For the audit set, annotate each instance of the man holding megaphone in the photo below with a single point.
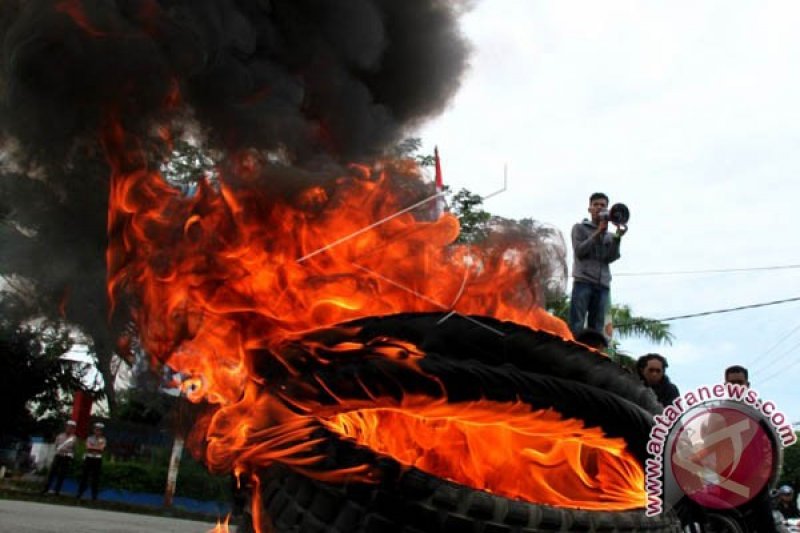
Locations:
(594, 249)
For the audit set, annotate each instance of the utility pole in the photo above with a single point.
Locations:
(172, 472)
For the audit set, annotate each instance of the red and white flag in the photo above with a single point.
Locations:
(440, 205)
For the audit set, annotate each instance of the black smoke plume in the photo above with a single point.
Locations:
(339, 78)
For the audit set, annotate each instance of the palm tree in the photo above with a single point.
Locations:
(626, 324)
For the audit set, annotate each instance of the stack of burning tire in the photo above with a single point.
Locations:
(471, 359)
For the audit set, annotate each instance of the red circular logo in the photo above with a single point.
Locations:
(721, 457)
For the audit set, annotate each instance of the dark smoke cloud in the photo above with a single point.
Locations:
(343, 76)
(52, 234)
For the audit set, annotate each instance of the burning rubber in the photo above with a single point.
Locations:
(410, 488)
(253, 286)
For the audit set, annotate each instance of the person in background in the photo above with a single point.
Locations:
(737, 375)
(594, 248)
(65, 451)
(93, 461)
(785, 502)
(652, 369)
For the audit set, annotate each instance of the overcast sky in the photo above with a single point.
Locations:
(687, 111)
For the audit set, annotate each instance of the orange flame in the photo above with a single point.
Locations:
(229, 279)
(236, 270)
(256, 505)
(222, 526)
(505, 449)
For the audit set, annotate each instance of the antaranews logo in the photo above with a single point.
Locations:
(713, 444)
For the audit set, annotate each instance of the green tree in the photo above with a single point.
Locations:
(464, 204)
(36, 380)
(188, 163)
(409, 148)
(473, 218)
(790, 474)
(626, 324)
(144, 406)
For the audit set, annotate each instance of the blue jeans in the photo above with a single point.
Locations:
(591, 299)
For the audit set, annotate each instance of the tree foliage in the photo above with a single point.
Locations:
(790, 474)
(187, 163)
(409, 148)
(36, 380)
(464, 204)
(626, 324)
(143, 407)
(474, 220)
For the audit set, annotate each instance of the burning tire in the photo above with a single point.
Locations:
(418, 502)
(471, 359)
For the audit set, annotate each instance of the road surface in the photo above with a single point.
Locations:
(29, 517)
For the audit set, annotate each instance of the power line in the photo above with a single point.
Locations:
(780, 371)
(733, 309)
(763, 355)
(762, 367)
(777, 343)
(742, 308)
(706, 313)
(730, 309)
(708, 271)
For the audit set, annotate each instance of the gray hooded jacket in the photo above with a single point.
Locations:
(592, 256)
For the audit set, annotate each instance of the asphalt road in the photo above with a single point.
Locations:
(28, 517)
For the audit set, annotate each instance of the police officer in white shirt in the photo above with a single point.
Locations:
(65, 450)
(93, 461)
